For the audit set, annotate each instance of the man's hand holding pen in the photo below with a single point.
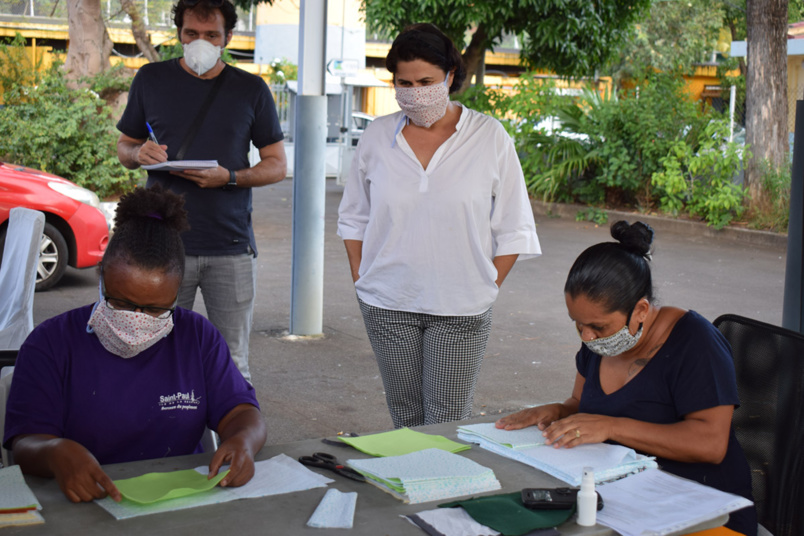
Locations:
(151, 153)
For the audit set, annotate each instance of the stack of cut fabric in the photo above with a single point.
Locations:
(427, 475)
(515, 439)
(18, 504)
(610, 462)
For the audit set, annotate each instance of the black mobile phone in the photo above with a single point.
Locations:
(552, 498)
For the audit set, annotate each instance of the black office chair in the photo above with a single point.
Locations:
(769, 423)
(8, 358)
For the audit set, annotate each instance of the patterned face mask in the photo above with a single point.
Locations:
(127, 333)
(424, 105)
(616, 344)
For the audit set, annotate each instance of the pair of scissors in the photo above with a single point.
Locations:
(328, 461)
(339, 443)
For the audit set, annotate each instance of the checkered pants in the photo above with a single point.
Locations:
(429, 364)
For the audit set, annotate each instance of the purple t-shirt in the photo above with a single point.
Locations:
(152, 405)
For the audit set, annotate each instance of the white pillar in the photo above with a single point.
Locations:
(309, 173)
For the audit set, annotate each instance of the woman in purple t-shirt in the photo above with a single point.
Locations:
(657, 379)
(131, 377)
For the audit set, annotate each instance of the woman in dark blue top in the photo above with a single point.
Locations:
(657, 379)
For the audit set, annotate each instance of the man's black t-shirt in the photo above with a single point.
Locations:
(169, 98)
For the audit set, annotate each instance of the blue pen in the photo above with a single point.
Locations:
(151, 133)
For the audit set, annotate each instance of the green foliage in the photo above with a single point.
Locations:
(700, 178)
(559, 158)
(604, 148)
(795, 11)
(635, 132)
(569, 37)
(649, 144)
(111, 81)
(68, 132)
(17, 67)
(283, 70)
(775, 215)
(672, 36)
(595, 215)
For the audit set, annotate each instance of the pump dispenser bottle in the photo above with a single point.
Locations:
(587, 499)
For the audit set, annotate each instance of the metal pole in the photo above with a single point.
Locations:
(793, 311)
(309, 174)
(732, 101)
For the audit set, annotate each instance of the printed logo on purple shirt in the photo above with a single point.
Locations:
(179, 401)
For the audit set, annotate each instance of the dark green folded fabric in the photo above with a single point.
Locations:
(506, 514)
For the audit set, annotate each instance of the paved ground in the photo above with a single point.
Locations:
(318, 387)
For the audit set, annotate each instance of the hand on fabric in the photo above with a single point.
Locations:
(206, 178)
(243, 433)
(579, 429)
(78, 473)
(540, 416)
(151, 153)
(236, 453)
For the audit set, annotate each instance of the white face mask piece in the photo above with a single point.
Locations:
(127, 333)
(616, 344)
(424, 105)
(201, 55)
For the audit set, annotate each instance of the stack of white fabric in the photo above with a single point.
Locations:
(427, 475)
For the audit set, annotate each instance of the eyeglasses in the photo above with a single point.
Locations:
(119, 304)
(211, 3)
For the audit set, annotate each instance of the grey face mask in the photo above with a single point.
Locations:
(616, 344)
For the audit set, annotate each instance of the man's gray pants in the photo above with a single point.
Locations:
(228, 285)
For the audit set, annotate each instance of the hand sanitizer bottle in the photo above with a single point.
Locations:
(587, 499)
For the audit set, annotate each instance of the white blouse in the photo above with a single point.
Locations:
(430, 235)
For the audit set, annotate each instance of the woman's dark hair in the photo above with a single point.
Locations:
(615, 274)
(205, 9)
(426, 42)
(147, 231)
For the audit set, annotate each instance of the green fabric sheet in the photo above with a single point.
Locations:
(402, 441)
(153, 487)
(506, 514)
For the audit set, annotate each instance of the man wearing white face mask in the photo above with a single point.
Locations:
(199, 108)
(434, 215)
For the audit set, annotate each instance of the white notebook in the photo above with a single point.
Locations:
(178, 165)
(608, 461)
(658, 503)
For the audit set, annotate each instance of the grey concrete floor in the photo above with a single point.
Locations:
(321, 386)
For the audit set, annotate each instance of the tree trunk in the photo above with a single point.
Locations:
(473, 54)
(480, 73)
(90, 46)
(766, 92)
(139, 31)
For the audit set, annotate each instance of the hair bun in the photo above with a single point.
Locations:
(637, 238)
(152, 204)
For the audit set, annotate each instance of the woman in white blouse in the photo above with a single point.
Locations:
(434, 215)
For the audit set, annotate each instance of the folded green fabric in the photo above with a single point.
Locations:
(402, 441)
(506, 514)
(153, 487)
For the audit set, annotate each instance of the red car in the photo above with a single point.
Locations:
(76, 231)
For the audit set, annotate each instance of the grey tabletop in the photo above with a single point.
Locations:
(377, 513)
